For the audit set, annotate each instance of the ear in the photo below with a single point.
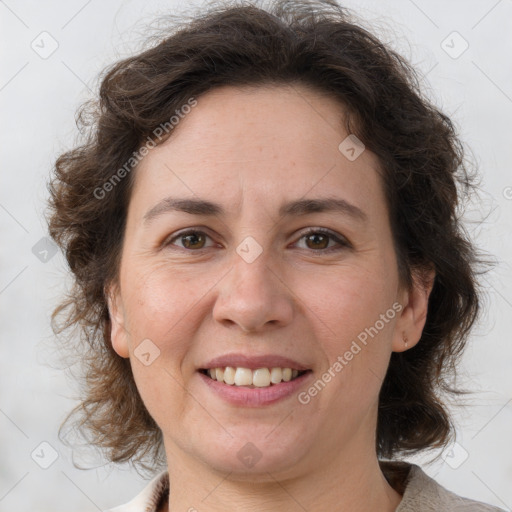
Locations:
(118, 333)
(409, 326)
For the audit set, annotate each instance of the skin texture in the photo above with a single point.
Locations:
(252, 149)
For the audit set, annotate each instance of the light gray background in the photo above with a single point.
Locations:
(38, 99)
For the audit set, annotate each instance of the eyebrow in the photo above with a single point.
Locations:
(294, 208)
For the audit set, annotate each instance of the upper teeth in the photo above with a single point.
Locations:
(262, 377)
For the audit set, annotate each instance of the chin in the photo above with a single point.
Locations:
(249, 455)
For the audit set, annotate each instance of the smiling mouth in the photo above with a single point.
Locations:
(258, 378)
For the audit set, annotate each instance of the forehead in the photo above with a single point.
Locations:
(268, 143)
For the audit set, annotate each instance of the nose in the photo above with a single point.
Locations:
(254, 296)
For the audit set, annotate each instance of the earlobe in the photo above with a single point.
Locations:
(409, 326)
(118, 334)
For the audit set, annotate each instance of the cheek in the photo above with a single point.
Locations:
(160, 310)
(349, 299)
(158, 303)
(353, 312)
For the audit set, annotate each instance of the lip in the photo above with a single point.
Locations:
(253, 362)
(255, 397)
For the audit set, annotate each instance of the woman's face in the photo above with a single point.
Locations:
(252, 289)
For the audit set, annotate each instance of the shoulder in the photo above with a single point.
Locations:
(149, 499)
(423, 494)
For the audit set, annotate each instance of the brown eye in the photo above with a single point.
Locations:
(193, 240)
(319, 240)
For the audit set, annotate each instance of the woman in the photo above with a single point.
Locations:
(270, 272)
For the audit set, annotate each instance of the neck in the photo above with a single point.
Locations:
(354, 484)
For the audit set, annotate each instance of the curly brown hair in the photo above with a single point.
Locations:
(424, 171)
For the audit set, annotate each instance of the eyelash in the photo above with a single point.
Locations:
(343, 243)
